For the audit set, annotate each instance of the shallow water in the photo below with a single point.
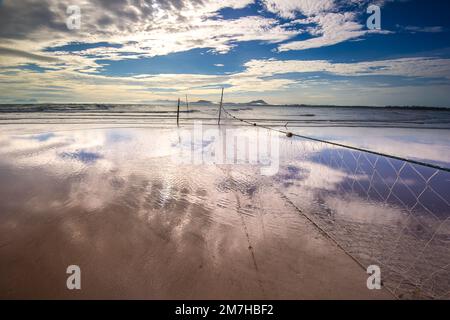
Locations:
(142, 225)
(415, 134)
(125, 202)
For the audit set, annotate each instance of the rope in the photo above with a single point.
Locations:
(421, 163)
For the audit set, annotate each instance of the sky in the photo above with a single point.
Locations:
(281, 51)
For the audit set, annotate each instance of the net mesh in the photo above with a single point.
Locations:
(402, 223)
(412, 245)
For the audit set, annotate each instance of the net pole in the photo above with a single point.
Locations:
(220, 107)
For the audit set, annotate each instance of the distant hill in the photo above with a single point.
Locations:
(258, 102)
(253, 103)
(203, 102)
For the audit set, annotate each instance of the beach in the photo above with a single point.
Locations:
(149, 211)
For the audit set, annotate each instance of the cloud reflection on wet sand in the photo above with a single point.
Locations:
(143, 226)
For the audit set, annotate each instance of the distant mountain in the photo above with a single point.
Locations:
(253, 103)
(203, 102)
(258, 102)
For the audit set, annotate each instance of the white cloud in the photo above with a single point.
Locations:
(332, 28)
(415, 29)
(288, 8)
(406, 67)
(333, 21)
(161, 27)
(148, 29)
(140, 28)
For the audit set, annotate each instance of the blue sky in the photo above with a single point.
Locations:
(282, 51)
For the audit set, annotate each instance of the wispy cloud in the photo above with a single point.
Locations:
(330, 29)
(406, 67)
(329, 21)
(259, 76)
(290, 8)
(8, 52)
(415, 29)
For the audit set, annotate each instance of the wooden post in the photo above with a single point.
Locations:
(187, 104)
(178, 113)
(220, 107)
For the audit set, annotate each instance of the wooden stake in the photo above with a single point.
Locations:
(187, 104)
(220, 107)
(178, 113)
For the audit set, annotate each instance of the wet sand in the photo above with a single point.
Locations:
(141, 226)
(250, 245)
